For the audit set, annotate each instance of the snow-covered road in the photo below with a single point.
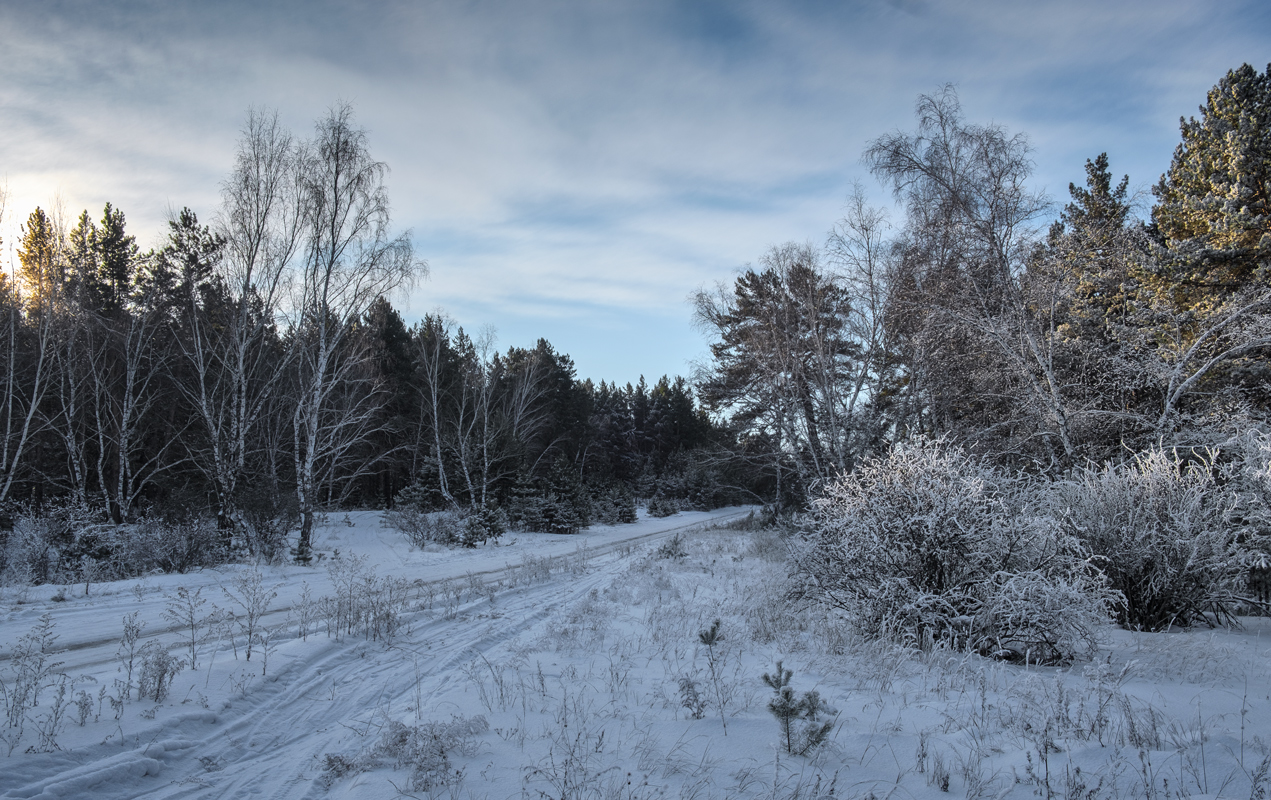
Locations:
(576, 667)
(226, 730)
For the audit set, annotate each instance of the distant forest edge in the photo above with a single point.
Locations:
(224, 389)
(250, 372)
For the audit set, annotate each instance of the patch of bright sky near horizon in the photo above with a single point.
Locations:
(574, 171)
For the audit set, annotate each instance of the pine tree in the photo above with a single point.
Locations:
(1218, 188)
(181, 271)
(526, 503)
(118, 256)
(84, 262)
(1215, 201)
(567, 508)
(41, 255)
(789, 709)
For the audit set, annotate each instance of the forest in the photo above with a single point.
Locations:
(249, 373)
(207, 400)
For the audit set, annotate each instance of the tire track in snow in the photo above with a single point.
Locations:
(277, 613)
(274, 748)
(269, 742)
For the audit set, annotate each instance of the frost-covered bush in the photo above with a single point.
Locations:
(27, 555)
(181, 545)
(30, 669)
(460, 526)
(414, 516)
(928, 545)
(264, 521)
(421, 528)
(1160, 529)
(1247, 477)
(158, 668)
(424, 749)
(50, 546)
(70, 543)
(364, 602)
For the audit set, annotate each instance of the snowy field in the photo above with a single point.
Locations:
(551, 666)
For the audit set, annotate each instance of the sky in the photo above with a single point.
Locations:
(575, 171)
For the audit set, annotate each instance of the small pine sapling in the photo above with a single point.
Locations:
(691, 697)
(672, 548)
(789, 709)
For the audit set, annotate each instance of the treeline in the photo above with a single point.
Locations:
(252, 372)
(1040, 344)
(519, 431)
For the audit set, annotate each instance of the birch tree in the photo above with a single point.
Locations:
(126, 358)
(971, 227)
(350, 257)
(231, 352)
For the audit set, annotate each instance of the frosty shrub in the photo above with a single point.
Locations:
(158, 668)
(29, 671)
(413, 516)
(183, 611)
(249, 593)
(52, 546)
(423, 528)
(264, 520)
(169, 545)
(928, 545)
(27, 555)
(69, 542)
(364, 602)
(1248, 478)
(459, 526)
(425, 749)
(1160, 530)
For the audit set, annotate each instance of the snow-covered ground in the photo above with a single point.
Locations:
(573, 667)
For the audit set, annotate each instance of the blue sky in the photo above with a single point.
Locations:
(575, 170)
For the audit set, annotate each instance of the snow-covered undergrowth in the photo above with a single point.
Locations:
(593, 666)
